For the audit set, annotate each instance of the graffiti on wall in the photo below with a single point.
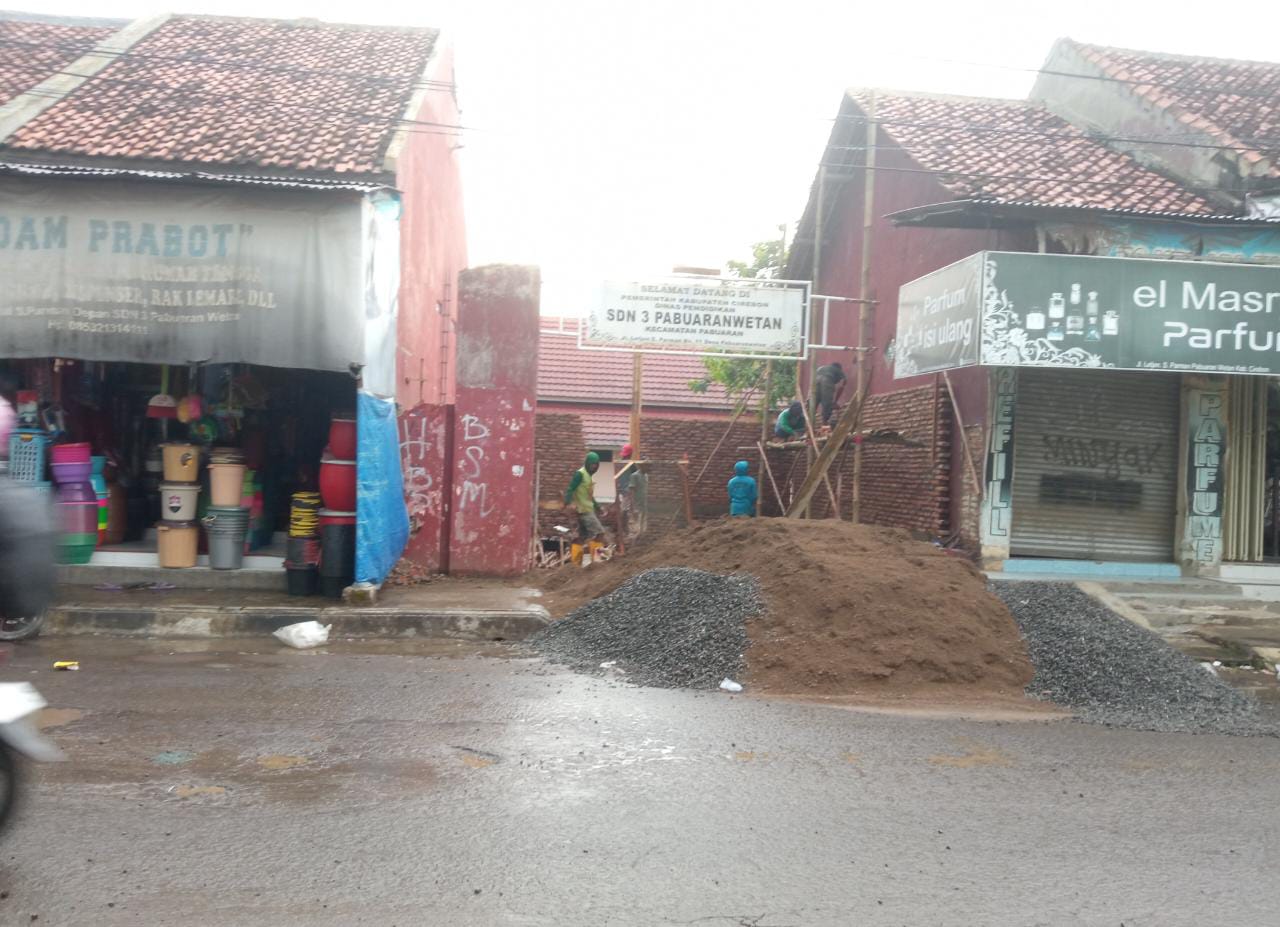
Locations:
(1113, 457)
(1204, 476)
(1000, 457)
(474, 491)
(422, 452)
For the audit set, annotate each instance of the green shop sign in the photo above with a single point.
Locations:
(1053, 310)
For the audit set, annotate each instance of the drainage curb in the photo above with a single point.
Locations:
(197, 621)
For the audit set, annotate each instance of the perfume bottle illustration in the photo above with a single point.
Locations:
(1111, 323)
(1035, 319)
(1055, 331)
(1057, 306)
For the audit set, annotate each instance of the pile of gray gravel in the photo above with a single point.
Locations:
(671, 627)
(1110, 671)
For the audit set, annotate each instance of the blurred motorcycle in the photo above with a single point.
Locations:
(27, 550)
(19, 736)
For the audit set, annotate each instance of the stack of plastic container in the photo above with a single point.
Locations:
(226, 520)
(98, 478)
(28, 454)
(302, 556)
(338, 517)
(178, 532)
(77, 503)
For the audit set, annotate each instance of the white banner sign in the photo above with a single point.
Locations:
(701, 315)
(164, 274)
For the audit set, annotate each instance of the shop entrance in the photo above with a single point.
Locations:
(1095, 465)
(273, 423)
(1251, 506)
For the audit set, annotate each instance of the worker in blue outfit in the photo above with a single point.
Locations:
(742, 492)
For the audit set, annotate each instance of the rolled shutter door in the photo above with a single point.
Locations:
(1095, 465)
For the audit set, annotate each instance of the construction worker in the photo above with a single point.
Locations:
(790, 422)
(828, 384)
(742, 492)
(580, 496)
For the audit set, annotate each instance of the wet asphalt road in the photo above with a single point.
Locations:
(251, 785)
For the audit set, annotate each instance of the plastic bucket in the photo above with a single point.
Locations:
(72, 453)
(226, 528)
(342, 437)
(303, 517)
(78, 517)
(302, 551)
(178, 501)
(226, 482)
(302, 580)
(72, 472)
(177, 544)
(337, 557)
(330, 517)
(181, 463)
(331, 588)
(76, 548)
(338, 484)
(75, 492)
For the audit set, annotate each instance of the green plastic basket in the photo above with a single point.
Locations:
(76, 548)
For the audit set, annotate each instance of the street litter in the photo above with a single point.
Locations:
(69, 665)
(730, 686)
(304, 634)
(608, 663)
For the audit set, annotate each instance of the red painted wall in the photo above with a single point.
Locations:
(493, 434)
(433, 247)
(426, 435)
(899, 255)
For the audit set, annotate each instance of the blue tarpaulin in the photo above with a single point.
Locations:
(382, 521)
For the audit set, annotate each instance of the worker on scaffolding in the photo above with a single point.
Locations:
(580, 496)
(790, 422)
(828, 385)
(742, 492)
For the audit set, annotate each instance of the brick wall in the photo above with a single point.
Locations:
(558, 449)
(905, 487)
(966, 501)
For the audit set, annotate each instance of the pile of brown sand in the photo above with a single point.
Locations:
(852, 609)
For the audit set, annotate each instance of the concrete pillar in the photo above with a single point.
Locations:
(997, 498)
(1202, 447)
(493, 456)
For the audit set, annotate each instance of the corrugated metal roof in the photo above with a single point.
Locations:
(74, 170)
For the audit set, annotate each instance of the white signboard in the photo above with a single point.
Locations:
(167, 274)
(701, 315)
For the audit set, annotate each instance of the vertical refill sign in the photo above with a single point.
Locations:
(938, 319)
(1054, 310)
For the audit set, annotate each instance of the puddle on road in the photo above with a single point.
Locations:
(281, 761)
(57, 717)
(975, 755)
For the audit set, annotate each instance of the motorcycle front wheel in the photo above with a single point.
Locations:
(8, 782)
(18, 629)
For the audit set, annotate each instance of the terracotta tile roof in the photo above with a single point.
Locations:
(31, 52)
(568, 373)
(1238, 102)
(1015, 152)
(295, 95)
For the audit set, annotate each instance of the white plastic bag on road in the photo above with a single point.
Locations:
(304, 634)
(730, 686)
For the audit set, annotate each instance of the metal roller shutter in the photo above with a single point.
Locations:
(1095, 465)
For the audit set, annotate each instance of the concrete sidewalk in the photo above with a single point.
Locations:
(470, 609)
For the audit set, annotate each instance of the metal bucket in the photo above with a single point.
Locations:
(226, 528)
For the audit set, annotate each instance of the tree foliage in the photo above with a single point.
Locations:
(739, 374)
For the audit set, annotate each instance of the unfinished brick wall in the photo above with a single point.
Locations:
(559, 449)
(966, 507)
(904, 487)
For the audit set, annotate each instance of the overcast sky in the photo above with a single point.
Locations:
(617, 138)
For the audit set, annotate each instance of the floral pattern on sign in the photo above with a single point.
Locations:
(1006, 343)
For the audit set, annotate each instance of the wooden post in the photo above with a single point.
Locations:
(637, 377)
(688, 495)
(964, 439)
(782, 506)
(812, 452)
(848, 422)
(864, 288)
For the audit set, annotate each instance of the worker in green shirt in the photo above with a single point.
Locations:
(790, 422)
(580, 496)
